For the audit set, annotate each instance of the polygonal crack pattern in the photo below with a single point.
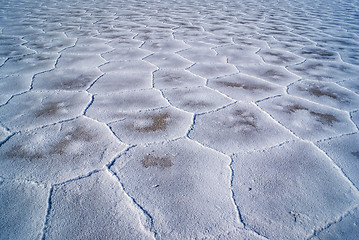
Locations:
(242, 127)
(173, 180)
(280, 201)
(59, 152)
(100, 198)
(178, 119)
(35, 109)
(307, 120)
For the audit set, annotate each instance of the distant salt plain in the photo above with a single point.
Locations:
(179, 119)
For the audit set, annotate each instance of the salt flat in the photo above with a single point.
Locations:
(179, 119)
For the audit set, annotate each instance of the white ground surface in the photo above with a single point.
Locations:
(179, 119)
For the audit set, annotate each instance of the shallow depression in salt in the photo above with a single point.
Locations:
(179, 119)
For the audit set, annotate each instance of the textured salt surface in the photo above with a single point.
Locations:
(179, 119)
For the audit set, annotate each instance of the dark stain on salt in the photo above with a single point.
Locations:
(321, 92)
(153, 161)
(318, 52)
(197, 104)
(171, 78)
(280, 57)
(49, 109)
(245, 86)
(18, 151)
(293, 108)
(43, 58)
(324, 118)
(77, 134)
(356, 154)
(273, 74)
(75, 83)
(159, 123)
(245, 118)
